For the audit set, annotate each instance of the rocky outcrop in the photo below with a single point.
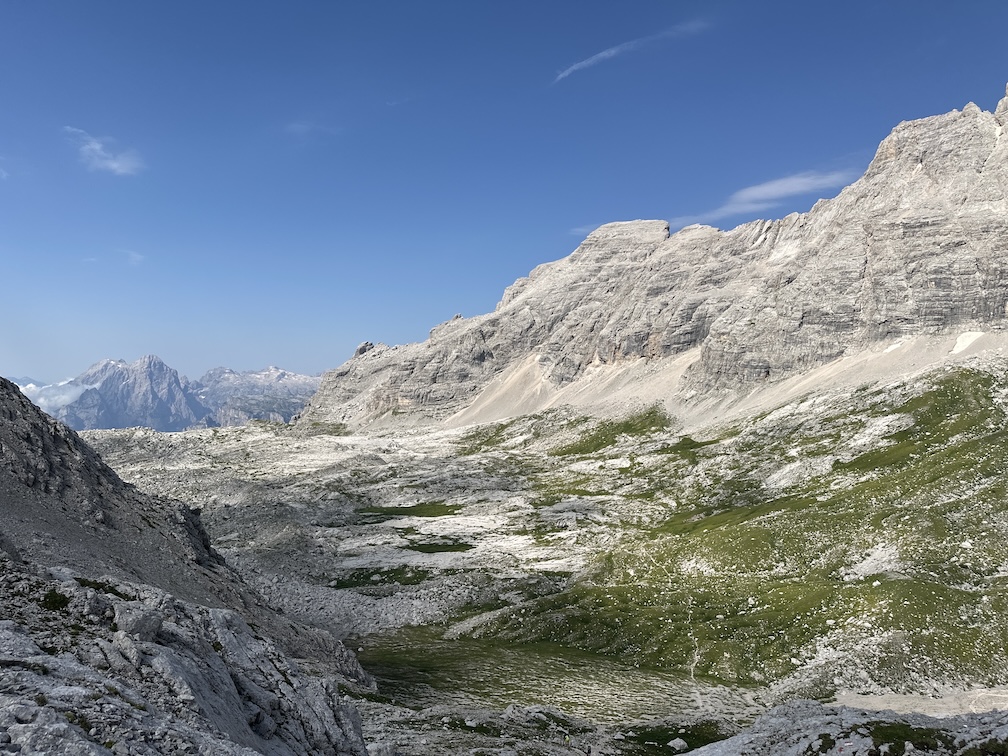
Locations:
(123, 631)
(99, 667)
(803, 727)
(62, 505)
(916, 246)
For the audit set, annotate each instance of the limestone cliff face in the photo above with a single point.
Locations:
(120, 395)
(918, 245)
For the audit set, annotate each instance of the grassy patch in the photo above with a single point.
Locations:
(402, 575)
(607, 432)
(725, 568)
(897, 734)
(654, 738)
(103, 587)
(320, 428)
(53, 600)
(439, 548)
(426, 509)
(686, 448)
(483, 438)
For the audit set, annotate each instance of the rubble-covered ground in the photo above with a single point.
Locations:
(99, 666)
(847, 542)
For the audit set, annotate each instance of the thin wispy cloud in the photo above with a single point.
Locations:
(583, 230)
(679, 30)
(769, 194)
(134, 258)
(303, 129)
(98, 154)
(4, 175)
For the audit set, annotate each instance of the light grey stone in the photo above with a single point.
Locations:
(915, 246)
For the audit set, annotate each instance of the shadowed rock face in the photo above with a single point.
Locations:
(918, 245)
(120, 624)
(62, 505)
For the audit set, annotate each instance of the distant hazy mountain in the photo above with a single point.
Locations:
(117, 394)
(146, 392)
(25, 381)
(271, 394)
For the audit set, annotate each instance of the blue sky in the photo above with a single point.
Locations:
(253, 183)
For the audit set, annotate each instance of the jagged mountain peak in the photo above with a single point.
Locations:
(916, 246)
(113, 393)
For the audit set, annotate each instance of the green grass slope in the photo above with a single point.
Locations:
(856, 540)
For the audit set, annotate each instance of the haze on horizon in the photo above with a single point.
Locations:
(246, 185)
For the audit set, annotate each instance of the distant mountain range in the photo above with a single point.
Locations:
(117, 394)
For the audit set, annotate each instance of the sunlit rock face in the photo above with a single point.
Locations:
(916, 246)
(117, 394)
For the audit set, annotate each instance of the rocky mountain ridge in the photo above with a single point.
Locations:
(915, 246)
(122, 631)
(149, 393)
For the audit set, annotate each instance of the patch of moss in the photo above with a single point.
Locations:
(103, 587)
(606, 433)
(53, 600)
(439, 548)
(425, 509)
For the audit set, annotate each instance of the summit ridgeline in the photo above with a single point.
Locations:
(917, 247)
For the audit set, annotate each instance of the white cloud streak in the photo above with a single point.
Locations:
(303, 129)
(97, 154)
(134, 258)
(769, 194)
(679, 30)
(51, 398)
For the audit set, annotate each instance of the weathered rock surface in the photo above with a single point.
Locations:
(96, 667)
(121, 629)
(805, 727)
(918, 245)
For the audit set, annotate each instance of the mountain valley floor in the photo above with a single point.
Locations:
(646, 572)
